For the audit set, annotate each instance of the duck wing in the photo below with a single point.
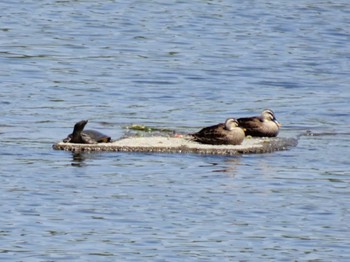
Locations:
(250, 123)
(255, 126)
(216, 134)
(210, 130)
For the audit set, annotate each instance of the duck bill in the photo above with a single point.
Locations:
(277, 123)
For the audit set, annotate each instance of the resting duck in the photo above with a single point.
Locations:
(265, 125)
(227, 133)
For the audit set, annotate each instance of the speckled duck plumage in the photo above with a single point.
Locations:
(227, 133)
(265, 125)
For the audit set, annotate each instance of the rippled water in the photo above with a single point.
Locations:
(181, 65)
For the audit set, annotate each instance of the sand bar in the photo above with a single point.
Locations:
(163, 144)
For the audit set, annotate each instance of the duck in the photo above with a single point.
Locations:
(228, 133)
(265, 125)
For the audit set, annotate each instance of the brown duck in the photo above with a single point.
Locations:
(265, 125)
(227, 133)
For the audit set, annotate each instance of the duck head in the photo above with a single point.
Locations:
(231, 123)
(268, 115)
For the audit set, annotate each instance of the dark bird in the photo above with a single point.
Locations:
(265, 125)
(227, 133)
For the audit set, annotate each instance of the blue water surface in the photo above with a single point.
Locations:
(181, 65)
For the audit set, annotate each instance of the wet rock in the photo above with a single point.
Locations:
(160, 144)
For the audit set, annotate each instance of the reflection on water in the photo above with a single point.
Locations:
(78, 159)
(231, 164)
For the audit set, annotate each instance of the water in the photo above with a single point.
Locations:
(181, 65)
